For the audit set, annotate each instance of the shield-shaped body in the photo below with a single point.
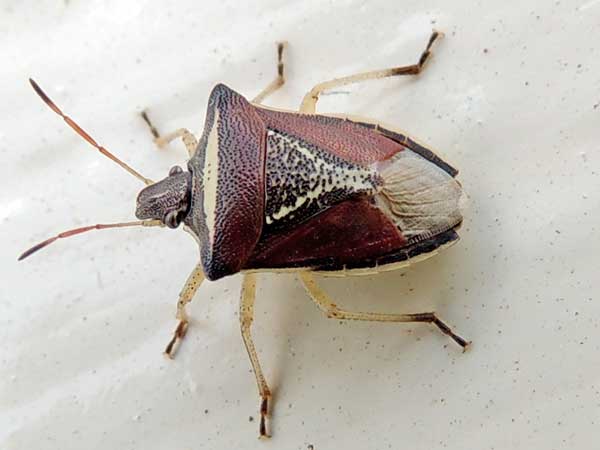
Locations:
(278, 190)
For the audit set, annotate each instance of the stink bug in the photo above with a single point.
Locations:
(268, 190)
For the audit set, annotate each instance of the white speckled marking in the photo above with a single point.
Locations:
(301, 175)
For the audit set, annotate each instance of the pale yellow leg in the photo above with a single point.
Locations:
(309, 102)
(189, 140)
(246, 317)
(332, 311)
(279, 79)
(185, 296)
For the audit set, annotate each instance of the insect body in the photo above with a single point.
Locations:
(269, 190)
(277, 190)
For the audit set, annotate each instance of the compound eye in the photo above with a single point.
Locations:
(175, 170)
(172, 219)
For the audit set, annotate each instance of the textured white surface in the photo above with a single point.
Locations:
(511, 98)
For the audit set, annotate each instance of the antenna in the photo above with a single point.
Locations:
(99, 226)
(80, 131)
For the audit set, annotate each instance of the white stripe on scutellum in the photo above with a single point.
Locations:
(210, 178)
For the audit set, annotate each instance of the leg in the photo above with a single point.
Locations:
(332, 311)
(186, 136)
(185, 296)
(309, 102)
(246, 318)
(279, 79)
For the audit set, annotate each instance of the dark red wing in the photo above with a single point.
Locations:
(351, 141)
(406, 141)
(349, 234)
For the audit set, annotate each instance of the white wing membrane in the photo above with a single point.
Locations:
(421, 198)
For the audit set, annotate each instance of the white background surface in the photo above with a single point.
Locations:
(83, 323)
